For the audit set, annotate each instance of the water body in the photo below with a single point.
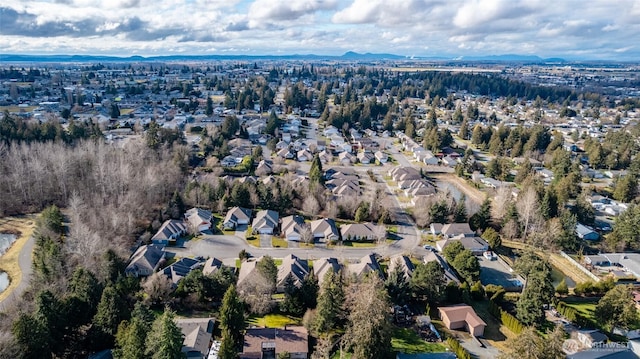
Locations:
(4, 281)
(444, 186)
(6, 240)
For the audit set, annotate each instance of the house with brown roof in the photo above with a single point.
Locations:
(452, 229)
(211, 266)
(462, 317)
(403, 263)
(266, 222)
(263, 343)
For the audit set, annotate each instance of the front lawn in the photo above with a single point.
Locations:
(359, 244)
(254, 241)
(278, 242)
(273, 321)
(407, 341)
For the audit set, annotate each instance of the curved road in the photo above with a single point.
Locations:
(24, 261)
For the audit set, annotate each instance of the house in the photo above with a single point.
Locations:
(449, 161)
(362, 232)
(609, 353)
(403, 263)
(322, 266)
(365, 157)
(454, 230)
(404, 174)
(212, 265)
(145, 260)
(462, 317)
(292, 268)
(170, 230)
(198, 219)
(266, 222)
(449, 274)
(381, 157)
(368, 264)
(292, 227)
(265, 167)
(228, 161)
(197, 336)
(180, 269)
(325, 156)
(475, 245)
(286, 154)
(346, 158)
(591, 338)
(247, 270)
(586, 233)
(236, 216)
(264, 343)
(325, 230)
(304, 155)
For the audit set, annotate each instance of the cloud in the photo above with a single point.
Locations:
(278, 10)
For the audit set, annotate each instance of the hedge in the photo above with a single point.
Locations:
(455, 346)
(574, 316)
(505, 318)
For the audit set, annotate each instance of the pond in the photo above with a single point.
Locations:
(6, 240)
(4, 281)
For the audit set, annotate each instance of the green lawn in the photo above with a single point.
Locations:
(279, 242)
(408, 341)
(586, 309)
(359, 244)
(273, 321)
(337, 355)
(254, 241)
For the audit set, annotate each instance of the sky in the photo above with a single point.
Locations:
(572, 29)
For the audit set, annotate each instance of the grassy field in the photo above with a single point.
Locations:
(278, 242)
(359, 244)
(273, 321)
(586, 309)
(9, 261)
(408, 341)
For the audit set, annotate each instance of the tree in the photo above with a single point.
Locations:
(329, 310)
(267, 267)
(528, 208)
(492, 237)
(165, 338)
(616, 308)
(232, 316)
(626, 230)
(85, 286)
(562, 288)
(316, 174)
(209, 108)
(397, 286)
(132, 335)
(115, 111)
(112, 309)
(482, 218)
(626, 188)
(452, 250)
(537, 293)
(32, 336)
(460, 211)
(529, 345)
(368, 333)
(427, 282)
(467, 265)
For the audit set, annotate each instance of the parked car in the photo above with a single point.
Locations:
(429, 248)
(490, 255)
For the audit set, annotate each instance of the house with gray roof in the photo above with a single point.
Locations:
(180, 269)
(292, 227)
(403, 263)
(476, 245)
(586, 233)
(367, 264)
(361, 232)
(266, 222)
(170, 230)
(323, 265)
(198, 219)
(197, 334)
(325, 230)
(236, 216)
(145, 260)
(211, 266)
(293, 268)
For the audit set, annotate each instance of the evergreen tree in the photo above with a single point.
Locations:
(165, 338)
(316, 174)
(397, 286)
(549, 204)
(232, 316)
(329, 310)
(460, 211)
(369, 333)
(209, 109)
(132, 335)
(267, 267)
(537, 293)
(112, 309)
(32, 336)
(427, 282)
(482, 218)
(464, 130)
(616, 308)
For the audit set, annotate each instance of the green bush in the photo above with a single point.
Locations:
(494, 292)
(477, 291)
(505, 318)
(455, 346)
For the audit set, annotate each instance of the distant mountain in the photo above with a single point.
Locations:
(509, 58)
(348, 56)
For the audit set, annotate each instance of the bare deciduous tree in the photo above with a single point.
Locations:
(311, 206)
(255, 290)
(158, 289)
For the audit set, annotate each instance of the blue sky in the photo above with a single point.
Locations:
(574, 29)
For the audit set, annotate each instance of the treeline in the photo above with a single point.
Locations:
(19, 130)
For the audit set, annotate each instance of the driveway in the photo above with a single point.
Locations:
(265, 241)
(475, 349)
(24, 262)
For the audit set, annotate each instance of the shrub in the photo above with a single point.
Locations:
(455, 346)
(494, 292)
(562, 288)
(477, 291)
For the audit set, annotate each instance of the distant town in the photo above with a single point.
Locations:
(352, 207)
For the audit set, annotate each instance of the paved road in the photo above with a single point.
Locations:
(24, 261)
